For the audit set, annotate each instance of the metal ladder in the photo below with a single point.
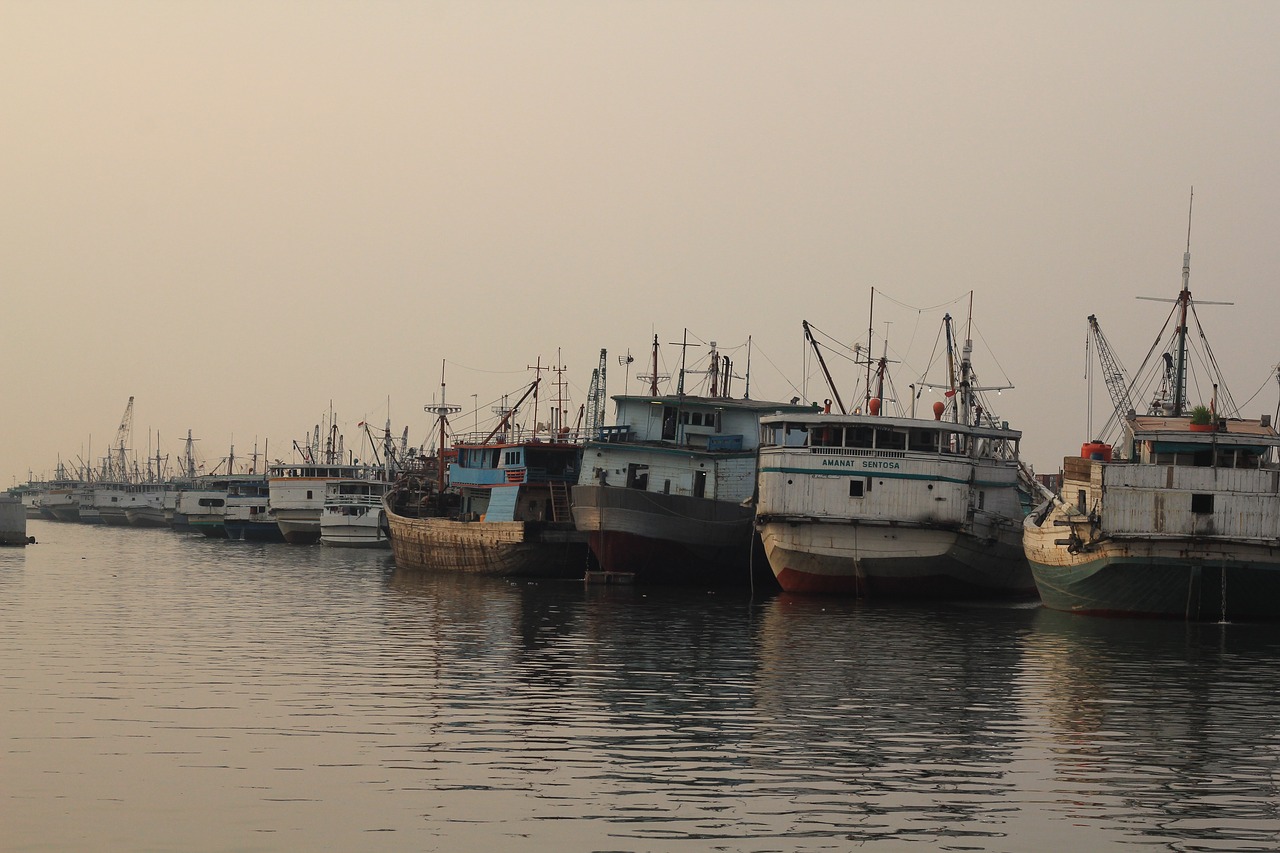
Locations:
(560, 502)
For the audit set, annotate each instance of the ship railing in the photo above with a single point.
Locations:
(854, 451)
(354, 500)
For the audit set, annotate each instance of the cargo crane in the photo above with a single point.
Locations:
(1113, 375)
(119, 464)
(595, 399)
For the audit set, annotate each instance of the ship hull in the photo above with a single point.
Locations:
(354, 535)
(299, 531)
(895, 561)
(61, 512)
(500, 548)
(146, 516)
(1166, 579)
(668, 538)
(253, 531)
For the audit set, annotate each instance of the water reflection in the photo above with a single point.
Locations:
(192, 694)
(1163, 731)
(905, 712)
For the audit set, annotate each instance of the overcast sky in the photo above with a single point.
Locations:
(240, 212)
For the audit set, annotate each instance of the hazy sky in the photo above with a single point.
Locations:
(240, 211)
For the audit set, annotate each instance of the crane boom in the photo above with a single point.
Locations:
(122, 435)
(596, 398)
(1112, 371)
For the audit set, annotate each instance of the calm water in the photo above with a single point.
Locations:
(161, 692)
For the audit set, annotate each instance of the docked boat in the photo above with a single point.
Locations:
(202, 507)
(875, 505)
(145, 504)
(1178, 518)
(297, 494)
(86, 510)
(353, 516)
(297, 489)
(110, 499)
(248, 517)
(58, 501)
(665, 493)
(500, 508)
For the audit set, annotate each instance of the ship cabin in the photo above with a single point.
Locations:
(1231, 443)
(887, 436)
(1180, 479)
(713, 424)
(513, 482)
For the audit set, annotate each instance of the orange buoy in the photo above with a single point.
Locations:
(938, 408)
(873, 405)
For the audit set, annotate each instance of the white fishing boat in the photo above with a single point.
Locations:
(58, 501)
(353, 515)
(86, 511)
(1180, 516)
(297, 494)
(202, 508)
(145, 503)
(871, 504)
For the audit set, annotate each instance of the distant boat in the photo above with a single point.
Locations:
(58, 501)
(297, 493)
(202, 508)
(248, 517)
(870, 504)
(353, 516)
(145, 503)
(1180, 518)
(297, 489)
(502, 509)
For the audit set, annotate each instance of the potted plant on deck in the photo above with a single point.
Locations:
(1201, 419)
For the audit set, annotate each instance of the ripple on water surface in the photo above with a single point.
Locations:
(167, 692)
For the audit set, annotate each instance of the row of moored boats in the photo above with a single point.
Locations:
(1178, 516)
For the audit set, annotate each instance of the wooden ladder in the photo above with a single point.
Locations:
(560, 502)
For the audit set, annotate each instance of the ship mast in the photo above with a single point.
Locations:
(1179, 386)
(442, 412)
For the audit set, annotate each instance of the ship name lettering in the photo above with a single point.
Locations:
(860, 463)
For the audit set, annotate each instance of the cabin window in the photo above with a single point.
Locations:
(211, 502)
(637, 476)
(923, 440)
(982, 500)
(796, 435)
(699, 484)
(1202, 504)
(1082, 499)
(891, 439)
(824, 436)
(856, 488)
(668, 423)
(859, 436)
(666, 487)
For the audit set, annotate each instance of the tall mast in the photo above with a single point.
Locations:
(653, 377)
(537, 369)
(1184, 298)
(870, 319)
(442, 411)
